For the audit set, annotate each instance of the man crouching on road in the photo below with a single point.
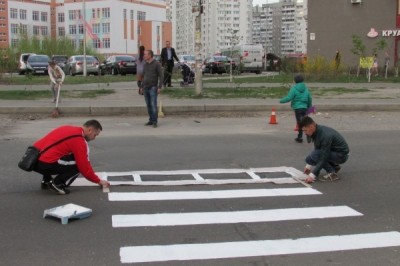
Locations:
(68, 157)
(330, 150)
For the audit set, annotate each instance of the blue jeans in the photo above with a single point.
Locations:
(150, 96)
(334, 158)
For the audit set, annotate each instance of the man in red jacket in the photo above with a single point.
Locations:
(69, 158)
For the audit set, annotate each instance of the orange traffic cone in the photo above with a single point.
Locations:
(296, 128)
(272, 118)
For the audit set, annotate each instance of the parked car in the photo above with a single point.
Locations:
(218, 64)
(60, 60)
(37, 64)
(74, 65)
(22, 62)
(186, 59)
(119, 64)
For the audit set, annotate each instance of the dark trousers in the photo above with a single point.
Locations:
(66, 171)
(299, 113)
(168, 67)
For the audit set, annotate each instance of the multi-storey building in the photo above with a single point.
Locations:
(281, 27)
(109, 26)
(331, 25)
(224, 22)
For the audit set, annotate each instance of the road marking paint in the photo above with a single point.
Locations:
(137, 254)
(213, 194)
(194, 218)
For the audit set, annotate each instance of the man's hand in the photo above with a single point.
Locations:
(309, 179)
(306, 171)
(104, 183)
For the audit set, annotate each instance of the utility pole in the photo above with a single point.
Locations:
(198, 10)
(84, 39)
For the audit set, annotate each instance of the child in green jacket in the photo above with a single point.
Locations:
(301, 100)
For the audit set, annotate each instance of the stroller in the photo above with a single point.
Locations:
(187, 75)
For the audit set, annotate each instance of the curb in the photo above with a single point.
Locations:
(176, 110)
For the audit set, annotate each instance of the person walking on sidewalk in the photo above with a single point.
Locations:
(301, 100)
(167, 60)
(330, 150)
(68, 158)
(57, 77)
(152, 83)
(139, 69)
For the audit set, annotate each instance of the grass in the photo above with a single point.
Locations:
(43, 79)
(259, 93)
(40, 94)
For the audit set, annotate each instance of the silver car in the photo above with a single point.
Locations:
(74, 65)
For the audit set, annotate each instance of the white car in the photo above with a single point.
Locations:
(187, 59)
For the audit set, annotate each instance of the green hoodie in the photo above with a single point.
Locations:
(299, 96)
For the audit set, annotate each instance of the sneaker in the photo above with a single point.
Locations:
(155, 125)
(44, 185)
(148, 123)
(337, 168)
(298, 140)
(329, 177)
(60, 189)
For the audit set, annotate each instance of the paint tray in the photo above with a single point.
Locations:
(68, 211)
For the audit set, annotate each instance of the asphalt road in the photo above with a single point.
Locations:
(369, 185)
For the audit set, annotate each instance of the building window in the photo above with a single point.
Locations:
(96, 43)
(98, 12)
(22, 14)
(81, 42)
(106, 42)
(96, 28)
(14, 28)
(14, 13)
(73, 43)
(106, 27)
(93, 13)
(141, 15)
(138, 30)
(35, 15)
(124, 14)
(71, 15)
(80, 29)
(44, 16)
(72, 29)
(61, 31)
(44, 30)
(158, 30)
(106, 12)
(23, 28)
(131, 14)
(36, 30)
(14, 42)
(61, 17)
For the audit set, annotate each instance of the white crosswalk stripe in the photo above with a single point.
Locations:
(235, 249)
(258, 248)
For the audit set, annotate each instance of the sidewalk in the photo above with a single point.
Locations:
(126, 100)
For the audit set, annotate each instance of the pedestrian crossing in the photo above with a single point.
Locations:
(235, 249)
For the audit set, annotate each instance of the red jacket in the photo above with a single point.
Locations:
(76, 146)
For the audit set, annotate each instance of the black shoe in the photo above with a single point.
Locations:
(44, 185)
(148, 123)
(155, 125)
(298, 140)
(45, 182)
(60, 189)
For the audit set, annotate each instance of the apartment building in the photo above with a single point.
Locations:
(331, 25)
(109, 26)
(224, 23)
(281, 27)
